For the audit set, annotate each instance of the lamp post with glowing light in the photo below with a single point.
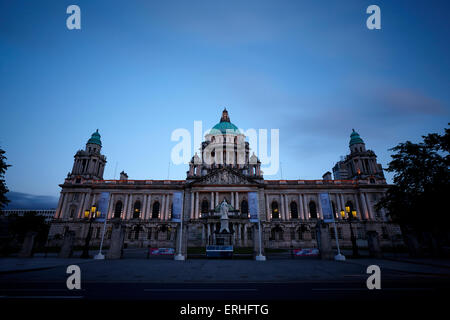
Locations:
(351, 217)
(89, 216)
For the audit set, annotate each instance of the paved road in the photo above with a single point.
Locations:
(200, 279)
(261, 291)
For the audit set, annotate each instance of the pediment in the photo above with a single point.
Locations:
(224, 176)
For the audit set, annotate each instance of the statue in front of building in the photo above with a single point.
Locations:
(224, 217)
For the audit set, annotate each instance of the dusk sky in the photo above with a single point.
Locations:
(137, 70)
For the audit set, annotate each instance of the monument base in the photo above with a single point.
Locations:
(339, 257)
(260, 258)
(179, 257)
(99, 256)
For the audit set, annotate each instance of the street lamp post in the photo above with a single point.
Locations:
(89, 215)
(351, 217)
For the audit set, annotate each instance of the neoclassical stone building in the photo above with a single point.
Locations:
(288, 209)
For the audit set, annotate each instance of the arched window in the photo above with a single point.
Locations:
(205, 206)
(155, 210)
(276, 233)
(72, 211)
(352, 208)
(118, 209)
(244, 207)
(137, 210)
(294, 210)
(349, 204)
(275, 212)
(312, 210)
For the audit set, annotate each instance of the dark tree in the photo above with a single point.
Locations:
(3, 189)
(30, 221)
(419, 195)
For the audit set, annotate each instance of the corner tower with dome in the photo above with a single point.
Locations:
(224, 170)
(360, 163)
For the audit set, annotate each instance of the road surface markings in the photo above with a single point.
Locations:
(199, 289)
(42, 297)
(365, 289)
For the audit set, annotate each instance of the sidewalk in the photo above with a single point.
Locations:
(210, 271)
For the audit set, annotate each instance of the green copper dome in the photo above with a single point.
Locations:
(225, 125)
(355, 138)
(95, 138)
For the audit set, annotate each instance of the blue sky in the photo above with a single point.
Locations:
(137, 70)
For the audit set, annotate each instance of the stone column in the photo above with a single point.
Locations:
(67, 246)
(212, 200)
(287, 213)
(204, 235)
(58, 208)
(144, 208)
(237, 232)
(80, 208)
(319, 208)
(245, 235)
(267, 207)
(64, 205)
(374, 244)
(369, 207)
(364, 207)
(237, 201)
(338, 206)
(197, 203)
(94, 199)
(281, 207)
(233, 203)
(116, 244)
(192, 204)
(130, 207)
(149, 207)
(300, 206)
(208, 233)
(110, 209)
(342, 202)
(217, 199)
(28, 245)
(305, 205)
(168, 207)
(324, 242)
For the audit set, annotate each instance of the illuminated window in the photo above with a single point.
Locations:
(137, 210)
(275, 212)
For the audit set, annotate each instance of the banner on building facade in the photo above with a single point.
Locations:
(327, 211)
(177, 202)
(103, 204)
(253, 206)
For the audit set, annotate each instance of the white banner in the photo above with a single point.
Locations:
(253, 206)
(327, 211)
(103, 203)
(177, 206)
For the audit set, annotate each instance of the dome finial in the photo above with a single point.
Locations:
(355, 138)
(225, 117)
(95, 138)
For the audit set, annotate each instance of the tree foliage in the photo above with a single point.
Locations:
(3, 189)
(420, 192)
